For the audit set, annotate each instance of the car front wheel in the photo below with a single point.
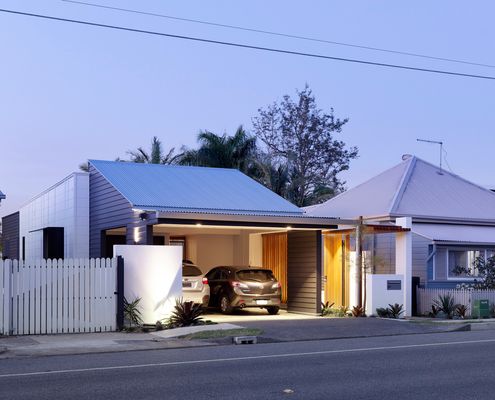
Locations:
(273, 310)
(225, 306)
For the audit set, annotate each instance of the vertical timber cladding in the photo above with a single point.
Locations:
(304, 270)
(10, 236)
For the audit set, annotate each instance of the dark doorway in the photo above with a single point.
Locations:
(110, 241)
(159, 240)
(53, 243)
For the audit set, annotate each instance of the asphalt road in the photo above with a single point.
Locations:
(456, 365)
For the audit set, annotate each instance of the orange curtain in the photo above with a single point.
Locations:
(275, 258)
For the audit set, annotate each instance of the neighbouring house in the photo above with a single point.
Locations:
(453, 220)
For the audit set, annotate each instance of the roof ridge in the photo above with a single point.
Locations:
(403, 184)
(366, 181)
(153, 165)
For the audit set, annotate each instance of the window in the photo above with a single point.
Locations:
(190, 270)
(465, 258)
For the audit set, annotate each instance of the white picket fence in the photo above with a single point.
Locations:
(426, 297)
(57, 296)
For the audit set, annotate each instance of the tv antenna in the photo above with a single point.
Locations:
(441, 149)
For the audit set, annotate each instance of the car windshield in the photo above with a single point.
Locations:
(191, 270)
(259, 275)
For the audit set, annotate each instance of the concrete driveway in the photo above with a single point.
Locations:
(255, 314)
(294, 327)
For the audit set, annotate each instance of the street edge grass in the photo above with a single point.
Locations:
(222, 333)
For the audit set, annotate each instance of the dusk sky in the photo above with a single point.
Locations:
(71, 92)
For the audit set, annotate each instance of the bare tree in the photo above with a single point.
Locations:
(301, 136)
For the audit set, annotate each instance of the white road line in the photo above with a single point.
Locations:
(216, 360)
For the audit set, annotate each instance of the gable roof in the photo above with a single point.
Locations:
(157, 187)
(413, 188)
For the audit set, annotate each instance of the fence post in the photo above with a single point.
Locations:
(7, 298)
(120, 293)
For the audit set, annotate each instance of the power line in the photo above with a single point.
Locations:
(308, 38)
(246, 46)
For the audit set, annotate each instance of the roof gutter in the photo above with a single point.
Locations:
(282, 220)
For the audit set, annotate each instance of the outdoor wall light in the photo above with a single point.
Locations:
(143, 216)
(288, 227)
(136, 235)
(199, 224)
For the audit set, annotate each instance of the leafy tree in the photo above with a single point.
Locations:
(299, 135)
(237, 151)
(483, 272)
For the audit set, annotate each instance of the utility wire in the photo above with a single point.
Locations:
(308, 38)
(246, 46)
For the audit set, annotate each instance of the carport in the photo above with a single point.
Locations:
(290, 246)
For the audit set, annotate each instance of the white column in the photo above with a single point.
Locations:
(403, 261)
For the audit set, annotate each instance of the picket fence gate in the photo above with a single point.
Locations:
(58, 296)
(427, 296)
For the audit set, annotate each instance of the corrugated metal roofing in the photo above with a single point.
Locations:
(456, 233)
(192, 189)
(370, 198)
(413, 188)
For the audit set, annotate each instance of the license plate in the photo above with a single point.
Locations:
(262, 302)
(186, 284)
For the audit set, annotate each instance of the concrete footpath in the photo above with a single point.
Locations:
(273, 331)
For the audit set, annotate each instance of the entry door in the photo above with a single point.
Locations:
(334, 270)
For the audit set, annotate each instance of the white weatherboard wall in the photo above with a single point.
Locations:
(153, 273)
(64, 205)
(378, 295)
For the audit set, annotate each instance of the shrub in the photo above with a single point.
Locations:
(358, 311)
(434, 311)
(446, 305)
(326, 308)
(395, 310)
(383, 312)
(342, 311)
(186, 313)
(461, 310)
(132, 312)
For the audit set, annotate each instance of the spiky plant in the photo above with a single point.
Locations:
(358, 311)
(446, 304)
(395, 310)
(186, 313)
(132, 312)
(326, 308)
(461, 311)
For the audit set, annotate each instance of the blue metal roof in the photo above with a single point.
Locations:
(192, 189)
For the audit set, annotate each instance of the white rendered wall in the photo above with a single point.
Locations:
(208, 251)
(403, 261)
(65, 205)
(153, 273)
(256, 250)
(377, 295)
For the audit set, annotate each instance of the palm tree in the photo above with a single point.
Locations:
(224, 151)
(275, 176)
(155, 156)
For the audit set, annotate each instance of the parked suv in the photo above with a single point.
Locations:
(240, 287)
(194, 284)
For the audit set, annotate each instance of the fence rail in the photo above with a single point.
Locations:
(57, 296)
(426, 297)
